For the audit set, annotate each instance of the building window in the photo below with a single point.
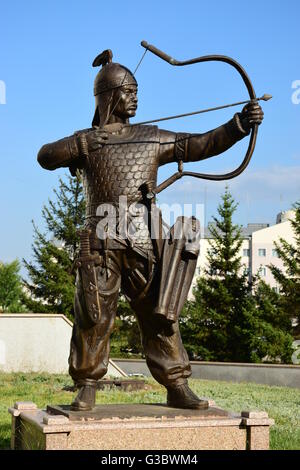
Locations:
(262, 271)
(198, 271)
(276, 289)
(275, 253)
(246, 252)
(261, 252)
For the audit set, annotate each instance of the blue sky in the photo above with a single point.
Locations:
(45, 62)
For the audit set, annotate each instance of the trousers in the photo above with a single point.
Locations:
(129, 271)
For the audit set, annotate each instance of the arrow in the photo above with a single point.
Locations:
(265, 97)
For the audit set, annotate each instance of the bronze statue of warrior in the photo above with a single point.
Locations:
(116, 160)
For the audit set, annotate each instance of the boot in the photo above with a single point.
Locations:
(181, 396)
(86, 397)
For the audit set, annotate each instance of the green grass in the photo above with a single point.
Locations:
(282, 404)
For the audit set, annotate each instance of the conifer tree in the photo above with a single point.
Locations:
(51, 279)
(11, 288)
(273, 340)
(289, 278)
(226, 321)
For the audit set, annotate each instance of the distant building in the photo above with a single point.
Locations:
(257, 250)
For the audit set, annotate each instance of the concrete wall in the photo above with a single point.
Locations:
(40, 343)
(268, 374)
(32, 342)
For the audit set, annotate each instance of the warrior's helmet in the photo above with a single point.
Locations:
(111, 77)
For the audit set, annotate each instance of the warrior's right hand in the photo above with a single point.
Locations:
(96, 139)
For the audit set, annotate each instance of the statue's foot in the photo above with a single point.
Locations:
(86, 397)
(181, 396)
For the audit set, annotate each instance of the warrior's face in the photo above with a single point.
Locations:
(126, 99)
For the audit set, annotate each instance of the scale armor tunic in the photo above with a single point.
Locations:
(121, 168)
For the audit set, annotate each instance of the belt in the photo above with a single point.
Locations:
(91, 209)
(118, 244)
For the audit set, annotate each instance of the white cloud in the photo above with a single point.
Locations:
(261, 193)
(268, 183)
(264, 183)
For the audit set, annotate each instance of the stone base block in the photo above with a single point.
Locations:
(137, 427)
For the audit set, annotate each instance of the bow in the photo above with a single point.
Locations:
(220, 58)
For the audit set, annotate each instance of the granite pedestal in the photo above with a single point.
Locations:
(137, 427)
